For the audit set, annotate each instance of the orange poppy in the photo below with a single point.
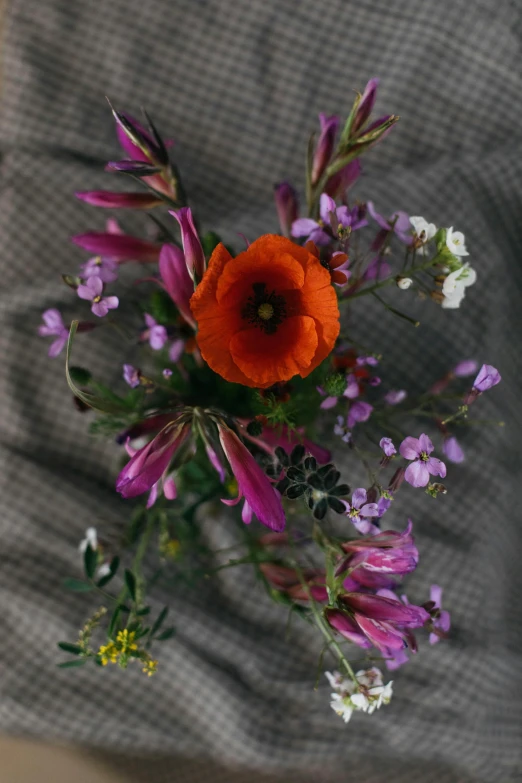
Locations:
(266, 315)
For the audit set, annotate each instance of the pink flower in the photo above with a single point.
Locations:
(176, 280)
(361, 513)
(387, 446)
(92, 291)
(120, 247)
(53, 326)
(453, 450)
(287, 581)
(111, 200)
(386, 623)
(260, 496)
(359, 411)
(390, 553)
(155, 333)
(194, 255)
(440, 618)
(418, 450)
(104, 268)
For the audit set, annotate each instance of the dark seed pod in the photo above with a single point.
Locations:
(295, 474)
(331, 479)
(282, 486)
(320, 509)
(296, 491)
(336, 505)
(340, 491)
(282, 456)
(326, 469)
(297, 455)
(310, 463)
(315, 481)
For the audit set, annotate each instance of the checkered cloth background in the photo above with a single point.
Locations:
(238, 84)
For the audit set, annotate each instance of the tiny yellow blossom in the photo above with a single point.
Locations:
(108, 652)
(150, 667)
(126, 641)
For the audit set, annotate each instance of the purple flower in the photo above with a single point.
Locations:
(389, 552)
(167, 372)
(104, 268)
(398, 223)
(131, 375)
(339, 183)
(331, 217)
(387, 446)
(371, 361)
(394, 397)
(488, 376)
(361, 513)
(194, 255)
(441, 619)
(385, 622)
(359, 411)
(383, 505)
(177, 280)
(344, 625)
(155, 333)
(366, 104)
(325, 145)
(110, 200)
(260, 496)
(176, 350)
(465, 367)
(418, 471)
(120, 247)
(351, 391)
(92, 291)
(341, 430)
(54, 326)
(150, 463)
(453, 450)
(287, 205)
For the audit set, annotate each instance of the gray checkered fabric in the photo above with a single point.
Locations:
(239, 85)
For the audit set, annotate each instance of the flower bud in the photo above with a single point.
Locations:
(194, 255)
(325, 146)
(335, 384)
(287, 206)
(404, 283)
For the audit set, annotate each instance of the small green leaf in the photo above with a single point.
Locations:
(114, 565)
(90, 561)
(159, 620)
(144, 611)
(75, 649)
(113, 622)
(167, 634)
(80, 375)
(72, 664)
(130, 583)
(77, 586)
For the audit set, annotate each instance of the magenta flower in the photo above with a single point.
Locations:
(390, 553)
(287, 580)
(325, 145)
(164, 484)
(194, 255)
(111, 200)
(155, 333)
(260, 496)
(366, 104)
(273, 437)
(53, 326)
(120, 247)
(487, 377)
(361, 513)
(441, 619)
(339, 183)
(92, 291)
(177, 280)
(104, 268)
(343, 624)
(320, 232)
(287, 205)
(398, 223)
(387, 446)
(150, 463)
(453, 450)
(385, 622)
(359, 411)
(418, 471)
(131, 375)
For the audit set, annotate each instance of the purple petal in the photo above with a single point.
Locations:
(436, 595)
(111, 302)
(176, 350)
(425, 444)
(453, 450)
(436, 467)
(150, 462)
(287, 205)
(394, 397)
(85, 292)
(369, 510)
(149, 320)
(379, 219)
(465, 368)
(57, 345)
(177, 280)
(192, 249)
(410, 448)
(121, 247)
(100, 308)
(157, 337)
(487, 377)
(53, 320)
(303, 227)
(111, 200)
(366, 105)
(326, 205)
(417, 474)
(359, 497)
(329, 402)
(386, 444)
(169, 489)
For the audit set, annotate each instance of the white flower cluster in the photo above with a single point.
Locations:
(459, 278)
(366, 696)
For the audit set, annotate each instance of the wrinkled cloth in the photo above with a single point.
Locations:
(239, 85)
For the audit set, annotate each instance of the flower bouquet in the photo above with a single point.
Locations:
(246, 391)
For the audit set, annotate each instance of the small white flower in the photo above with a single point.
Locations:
(342, 706)
(367, 694)
(456, 243)
(455, 284)
(90, 538)
(404, 283)
(424, 230)
(103, 570)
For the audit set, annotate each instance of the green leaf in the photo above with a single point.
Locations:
(113, 622)
(114, 565)
(144, 611)
(130, 583)
(75, 649)
(80, 375)
(90, 561)
(72, 664)
(92, 400)
(159, 621)
(167, 634)
(209, 242)
(77, 585)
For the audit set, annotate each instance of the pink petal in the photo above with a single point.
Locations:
(417, 474)
(425, 444)
(410, 448)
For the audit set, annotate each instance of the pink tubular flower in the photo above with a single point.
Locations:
(287, 205)
(253, 484)
(391, 553)
(441, 619)
(386, 623)
(92, 291)
(176, 280)
(120, 247)
(361, 513)
(273, 437)
(150, 463)
(344, 625)
(418, 471)
(339, 183)
(110, 200)
(366, 104)
(287, 581)
(164, 484)
(325, 145)
(194, 255)
(53, 326)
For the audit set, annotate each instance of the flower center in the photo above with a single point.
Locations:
(424, 457)
(97, 299)
(263, 309)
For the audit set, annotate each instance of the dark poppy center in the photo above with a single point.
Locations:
(263, 309)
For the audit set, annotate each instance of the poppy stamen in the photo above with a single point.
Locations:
(263, 309)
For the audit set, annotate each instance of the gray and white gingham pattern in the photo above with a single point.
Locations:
(239, 85)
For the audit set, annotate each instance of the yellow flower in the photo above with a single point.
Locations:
(170, 548)
(126, 641)
(150, 667)
(108, 652)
